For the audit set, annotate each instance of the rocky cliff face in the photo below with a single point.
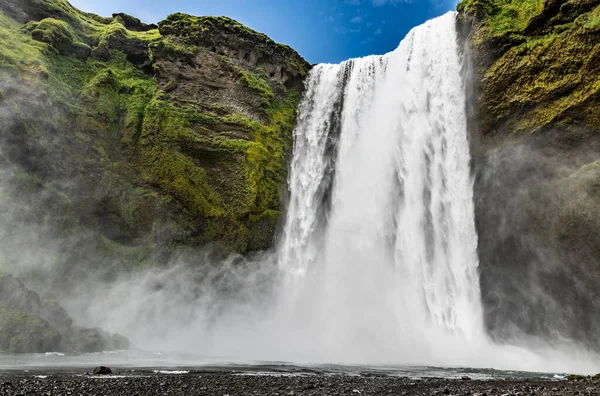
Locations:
(125, 141)
(535, 128)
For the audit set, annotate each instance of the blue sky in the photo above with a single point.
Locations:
(320, 30)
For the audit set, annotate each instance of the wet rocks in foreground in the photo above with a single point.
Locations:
(102, 370)
(211, 383)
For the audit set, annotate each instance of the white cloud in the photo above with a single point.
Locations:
(378, 3)
(356, 19)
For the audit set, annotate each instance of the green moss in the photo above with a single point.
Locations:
(51, 31)
(168, 48)
(592, 20)
(165, 126)
(103, 32)
(503, 16)
(546, 76)
(242, 121)
(258, 84)
(19, 51)
(193, 27)
(514, 15)
(267, 155)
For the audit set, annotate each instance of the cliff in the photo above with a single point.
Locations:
(535, 133)
(125, 141)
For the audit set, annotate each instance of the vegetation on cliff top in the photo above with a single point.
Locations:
(210, 32)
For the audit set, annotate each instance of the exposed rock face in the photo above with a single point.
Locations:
(144, 139)
(17, 297)
(56, 316)
(535, 122)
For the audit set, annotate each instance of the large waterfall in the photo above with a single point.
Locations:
(379, 248)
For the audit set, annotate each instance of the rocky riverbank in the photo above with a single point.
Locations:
(202, 383)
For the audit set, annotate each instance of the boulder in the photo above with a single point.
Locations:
(90, 340)
(22, 332)
(102, 370)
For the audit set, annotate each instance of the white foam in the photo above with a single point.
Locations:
(171, 371)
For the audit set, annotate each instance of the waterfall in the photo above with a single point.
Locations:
(379, 248)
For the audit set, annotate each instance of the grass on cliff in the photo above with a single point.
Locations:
(180, 24)
(258, 84)
(504, 16)
(20, 52)
(200, 30)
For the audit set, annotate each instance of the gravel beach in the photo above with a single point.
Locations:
(234, 384)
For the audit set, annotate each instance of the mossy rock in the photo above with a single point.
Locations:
(576, 377)
(54, 32)
(133, 23)
(21, 332)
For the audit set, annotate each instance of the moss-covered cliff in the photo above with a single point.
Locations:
(535, 128)
(138, 138)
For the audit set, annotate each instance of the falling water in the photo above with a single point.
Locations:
(379, 249)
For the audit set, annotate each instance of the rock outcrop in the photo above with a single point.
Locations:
(126, 142)
(535, 130)
(29, 325)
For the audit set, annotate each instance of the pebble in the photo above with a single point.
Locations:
(225, 384)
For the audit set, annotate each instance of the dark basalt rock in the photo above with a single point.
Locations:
(102, 370)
